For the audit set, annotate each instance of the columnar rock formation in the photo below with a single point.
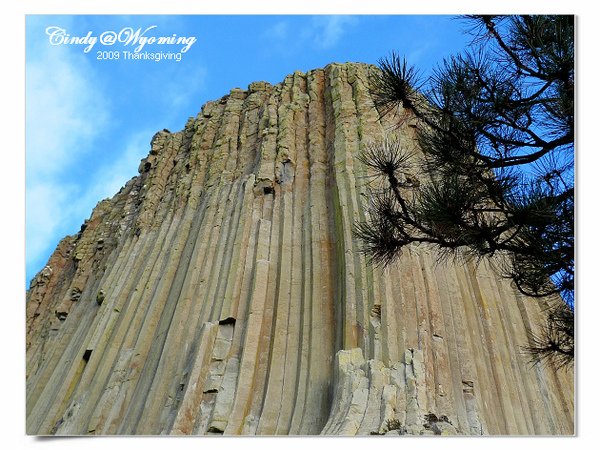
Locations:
(222, 291)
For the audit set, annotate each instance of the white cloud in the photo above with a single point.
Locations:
(277, 32)
(68, 115)
(184, 85)
(416, 53)
(108, 179)
(46, 209)
(65, 112)
(327, 31)
(321, 32)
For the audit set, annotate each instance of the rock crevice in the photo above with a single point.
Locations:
(222, 291)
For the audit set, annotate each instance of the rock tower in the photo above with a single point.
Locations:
(222, 291)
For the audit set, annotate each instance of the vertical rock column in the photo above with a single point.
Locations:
(222, 291)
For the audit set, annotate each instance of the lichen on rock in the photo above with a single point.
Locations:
(234, 298)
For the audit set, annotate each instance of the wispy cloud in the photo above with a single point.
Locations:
(65, 112)
(277, 31)
(185, 84)
(81, 145)
(111, 177)
(327, 31)
(280, 38)
(46, 209)
(319, 32)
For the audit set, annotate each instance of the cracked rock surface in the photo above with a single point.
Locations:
(222, 291)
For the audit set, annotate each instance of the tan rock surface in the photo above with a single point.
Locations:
(222, 291)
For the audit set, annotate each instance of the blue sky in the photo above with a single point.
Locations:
(89, 121)
(401, 33)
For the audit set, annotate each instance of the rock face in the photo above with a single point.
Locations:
(221, 291)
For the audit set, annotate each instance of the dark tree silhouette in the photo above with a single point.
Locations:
(496, 127)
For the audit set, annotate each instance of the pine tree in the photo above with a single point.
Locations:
(496, 126)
